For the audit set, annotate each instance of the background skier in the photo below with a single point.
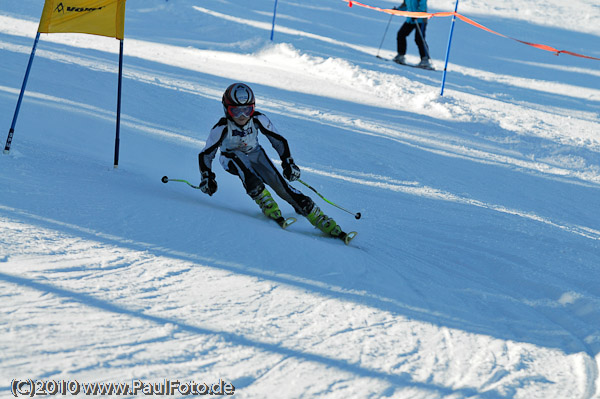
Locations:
(418, 24)
(236, 136)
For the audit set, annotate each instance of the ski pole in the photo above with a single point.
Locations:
(423, 39)
(356, 215)
(384, 33)
(165, 179)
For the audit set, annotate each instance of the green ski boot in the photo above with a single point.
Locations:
(270, 209)
(328, 226)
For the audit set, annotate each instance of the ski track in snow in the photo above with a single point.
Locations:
(155, 277)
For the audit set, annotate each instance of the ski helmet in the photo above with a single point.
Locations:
(238, 100)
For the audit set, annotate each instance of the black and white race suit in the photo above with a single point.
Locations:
(243, 156)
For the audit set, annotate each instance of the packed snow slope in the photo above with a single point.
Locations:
(475, 273)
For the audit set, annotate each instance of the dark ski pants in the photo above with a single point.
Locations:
(406, 30)
(255, 169)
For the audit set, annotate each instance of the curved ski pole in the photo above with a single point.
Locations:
(356, 215)
(165, 179)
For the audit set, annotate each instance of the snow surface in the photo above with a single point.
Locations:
(475, 273)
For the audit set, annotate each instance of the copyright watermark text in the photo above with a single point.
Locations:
(31, 388)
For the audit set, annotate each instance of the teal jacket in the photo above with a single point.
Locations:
(413, 6)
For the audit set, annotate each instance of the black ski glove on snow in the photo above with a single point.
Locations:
(208, 185)
(290, 170)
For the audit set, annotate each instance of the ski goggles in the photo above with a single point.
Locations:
(238, 111)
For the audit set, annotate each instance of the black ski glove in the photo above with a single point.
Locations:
(290, 170)
(208, 185)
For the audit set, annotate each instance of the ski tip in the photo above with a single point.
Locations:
(284, 223)
(165, 179)
(349, 237)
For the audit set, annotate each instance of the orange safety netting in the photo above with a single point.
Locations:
(467, 20)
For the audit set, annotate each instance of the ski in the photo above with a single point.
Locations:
(347, 237)
(285, 222)
(408, 65)
(418, 67)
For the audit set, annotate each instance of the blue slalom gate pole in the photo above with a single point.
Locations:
(118, 132)
(273, 26)
(448, 48)
(11, 132)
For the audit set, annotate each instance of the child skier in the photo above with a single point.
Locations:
(236, 136)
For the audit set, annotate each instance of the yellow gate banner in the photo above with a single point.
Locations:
(96, 17)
